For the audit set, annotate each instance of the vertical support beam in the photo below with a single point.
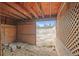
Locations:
(0, 37)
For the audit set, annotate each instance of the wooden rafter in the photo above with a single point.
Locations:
(37, 5)
(11, 11)
(19, 9)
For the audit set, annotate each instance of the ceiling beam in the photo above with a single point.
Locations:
(28, 9)
(50, 9)
(31, 10)
(42, 11)
(37, 5)
(19, 9)
(11, 11)
(4, 15)
(9, 14)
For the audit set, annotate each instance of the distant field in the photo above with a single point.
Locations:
(44, 27)
(45, 36)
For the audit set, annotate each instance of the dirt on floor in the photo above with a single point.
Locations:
(44, 47)
(23, 49)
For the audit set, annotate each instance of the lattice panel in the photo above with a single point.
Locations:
(68, 24)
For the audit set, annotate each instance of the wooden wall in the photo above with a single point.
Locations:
(0, 36)
(23, 32)
(27, 32)
(8, 30)
(8, 33)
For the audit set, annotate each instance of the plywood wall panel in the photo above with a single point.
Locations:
(27, 39)
(27, 32)
(25, 28)
(8, 33)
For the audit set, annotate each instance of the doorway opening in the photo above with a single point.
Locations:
(45, 33)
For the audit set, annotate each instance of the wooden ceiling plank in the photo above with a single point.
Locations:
(26, 11)
(11, 14)
(8, 14)
(39, 9)
(4, 15)
(10, 10)
(42, 11)
(45, 6)
(19, 9)
(31, 10)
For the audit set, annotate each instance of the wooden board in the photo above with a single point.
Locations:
(27, 32)
(8, 33)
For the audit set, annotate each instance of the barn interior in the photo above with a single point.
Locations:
(18, 28)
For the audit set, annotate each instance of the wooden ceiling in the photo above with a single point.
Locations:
(29, 10)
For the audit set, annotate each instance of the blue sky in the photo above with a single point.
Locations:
(42, 23)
